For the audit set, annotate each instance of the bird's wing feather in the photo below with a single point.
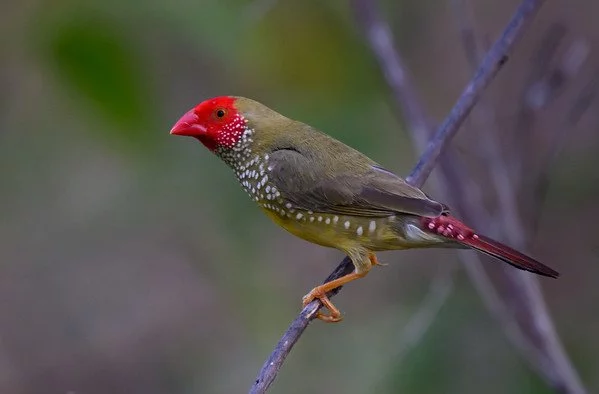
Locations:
(369, 191)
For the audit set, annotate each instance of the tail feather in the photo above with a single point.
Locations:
(452, 228)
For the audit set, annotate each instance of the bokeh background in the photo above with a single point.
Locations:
(131, 261)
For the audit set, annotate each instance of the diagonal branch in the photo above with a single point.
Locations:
(494, 59)
(490, 66)
(542, 347)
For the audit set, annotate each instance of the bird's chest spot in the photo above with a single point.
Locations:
(253, 173)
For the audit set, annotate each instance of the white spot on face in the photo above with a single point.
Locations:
(328, 221)
(299, 216)
(372, 226)
(346, 224)
(359, 231)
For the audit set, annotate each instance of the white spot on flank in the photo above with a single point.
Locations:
(320, 218)
(359, 231)
(346, 224)
(328, 221)
(267, 189)
(299, 216)
(311, 218)
(335, 219)
(288, 205)
(372, 226)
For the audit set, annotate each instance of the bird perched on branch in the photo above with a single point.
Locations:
(325, 192)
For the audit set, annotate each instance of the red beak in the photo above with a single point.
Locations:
(188, 125)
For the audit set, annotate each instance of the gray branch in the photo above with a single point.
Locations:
(543, 349)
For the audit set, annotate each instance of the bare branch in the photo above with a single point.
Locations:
(550, 358)
(493, 61)
(275, 361)
(439, 290)
(379, 36)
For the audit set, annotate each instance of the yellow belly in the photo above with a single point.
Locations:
(341, 232)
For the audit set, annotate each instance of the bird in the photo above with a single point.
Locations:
(326, 192)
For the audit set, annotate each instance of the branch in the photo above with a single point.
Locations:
(393, 67)
(547, 356)
(496, 57)
(275, 361)
(419, 323)
(491, 64)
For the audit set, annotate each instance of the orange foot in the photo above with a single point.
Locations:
(334, 315)
(320, 293)
(374, 261)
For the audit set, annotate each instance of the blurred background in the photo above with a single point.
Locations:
(132, 262)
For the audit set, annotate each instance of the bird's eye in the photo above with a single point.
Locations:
(220, 113)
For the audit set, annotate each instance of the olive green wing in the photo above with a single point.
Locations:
(348, 189)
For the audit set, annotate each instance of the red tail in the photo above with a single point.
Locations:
(452, 228)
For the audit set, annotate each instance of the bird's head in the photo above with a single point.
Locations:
(229, 124)
(216, 122)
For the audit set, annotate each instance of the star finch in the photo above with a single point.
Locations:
(328, 193)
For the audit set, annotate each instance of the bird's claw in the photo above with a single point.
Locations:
(333, 316)
(375, 262)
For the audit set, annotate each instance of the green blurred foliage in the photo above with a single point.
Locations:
(95, 60)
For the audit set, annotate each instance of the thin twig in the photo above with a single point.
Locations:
(494, 59)
(550, 359)
(491, 64)
(439, 290)
(379, 36)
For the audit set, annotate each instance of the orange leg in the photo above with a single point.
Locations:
(320, 293)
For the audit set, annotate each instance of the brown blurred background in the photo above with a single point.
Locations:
(131, 261)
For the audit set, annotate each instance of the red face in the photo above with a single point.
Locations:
(215, 122)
